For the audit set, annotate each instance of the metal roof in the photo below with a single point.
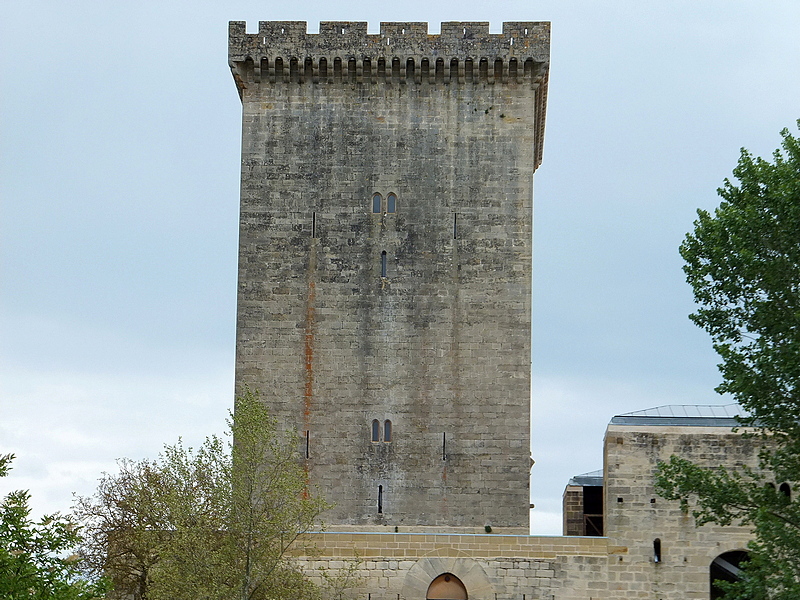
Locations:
(590, 478)
(688, 415)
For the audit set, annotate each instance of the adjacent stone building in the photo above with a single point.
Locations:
(651, 548)
(384, 309)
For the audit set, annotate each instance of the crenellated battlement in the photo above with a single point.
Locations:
(403, 52)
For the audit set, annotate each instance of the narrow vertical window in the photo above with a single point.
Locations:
(351, 70)
(455, 225)
(376, 431)
(380, 499)
(527, 68)
(387, 431)
(383, 263)
(391, 203)
(483, 69)
(307, 444)
(337, 69)
(444, 446)
(313, 224)
(498, 70)
(377, 203)
(657, 550)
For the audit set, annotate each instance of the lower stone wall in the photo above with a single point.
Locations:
(653, 549)
(386, 566)
(491, 567)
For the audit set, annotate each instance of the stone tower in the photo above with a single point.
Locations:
(384, 295)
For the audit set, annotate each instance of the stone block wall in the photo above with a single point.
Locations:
(635, 516)
(572, 510)
(421, 316)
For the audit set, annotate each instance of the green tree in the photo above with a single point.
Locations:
(743, 263)
(38, 561)
(213, 523)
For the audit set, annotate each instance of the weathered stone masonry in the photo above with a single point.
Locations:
(433, 335)
(384, 312)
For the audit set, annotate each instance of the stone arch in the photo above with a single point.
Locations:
(467, 570)
(726, 567)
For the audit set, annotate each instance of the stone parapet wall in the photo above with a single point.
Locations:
(520, 40)
(431, 529)
(417, 545)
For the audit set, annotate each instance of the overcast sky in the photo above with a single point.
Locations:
(119, 183)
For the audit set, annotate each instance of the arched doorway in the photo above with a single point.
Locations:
(446, 587)
(726, 567)
(468, 571)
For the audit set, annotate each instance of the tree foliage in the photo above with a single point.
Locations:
(213, 523)
(744, 497)
(743, 263)
(38, 561)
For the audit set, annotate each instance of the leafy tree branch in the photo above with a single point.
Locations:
(743, 263)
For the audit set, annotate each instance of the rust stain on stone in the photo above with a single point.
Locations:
(309, 353)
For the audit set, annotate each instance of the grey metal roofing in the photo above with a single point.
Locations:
(690, 415)
(590, 478)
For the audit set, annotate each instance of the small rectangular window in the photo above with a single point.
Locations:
(383, 263)
(313, 225)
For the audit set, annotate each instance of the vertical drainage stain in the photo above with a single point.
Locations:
(444, 476)
(445, 512)
(308, 352)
